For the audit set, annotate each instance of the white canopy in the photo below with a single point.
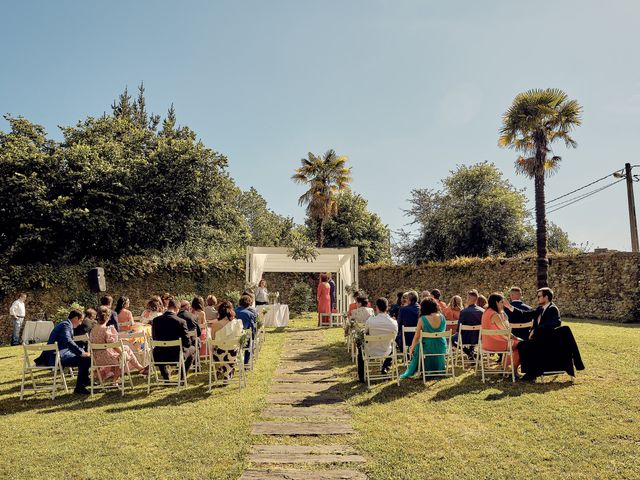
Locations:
(342, 262)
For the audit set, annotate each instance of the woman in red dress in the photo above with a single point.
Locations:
(323, 296)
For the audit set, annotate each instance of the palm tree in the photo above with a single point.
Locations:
(326, 176)
(535, 120)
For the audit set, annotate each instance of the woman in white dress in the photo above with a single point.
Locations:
(226, 332)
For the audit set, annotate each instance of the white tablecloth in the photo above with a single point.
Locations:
(36, 331)
(277, 315)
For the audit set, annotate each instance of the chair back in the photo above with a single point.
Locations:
(445, 334)
(104, 346)
(37, 348)
(406, 330)
(81, 338)
(165, 343)
(489, 332)
(514, 326)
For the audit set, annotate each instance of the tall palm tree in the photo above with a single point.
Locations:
(535, 120)
(326, 176)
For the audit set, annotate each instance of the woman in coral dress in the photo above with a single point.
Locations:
(494, 318)
(103, 333)
(323, 296)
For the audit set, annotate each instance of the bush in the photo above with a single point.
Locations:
(62, 313)
(233, 297)
(300, 298)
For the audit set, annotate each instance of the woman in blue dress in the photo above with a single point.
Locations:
(431, 321)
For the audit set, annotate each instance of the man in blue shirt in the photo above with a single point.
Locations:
(515, 298)
(248, 315)
(71, 355)
(408, 317)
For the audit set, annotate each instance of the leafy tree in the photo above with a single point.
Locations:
(267, 228)
(326, 176)
(536, 119)
(355, 226)
(477, 213)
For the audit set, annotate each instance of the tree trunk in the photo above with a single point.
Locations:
(320, 233)
(541, 226)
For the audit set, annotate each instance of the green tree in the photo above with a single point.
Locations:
(477, 213)
(535, 120)
(355, 226)
(326, 177)
(267, 228)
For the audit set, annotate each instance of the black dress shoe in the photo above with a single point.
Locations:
(528, 378)
(81, 391)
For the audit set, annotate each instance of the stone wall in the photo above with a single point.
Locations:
(601, 286)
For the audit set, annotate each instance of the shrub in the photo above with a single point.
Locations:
(300, 298)
(233, 296)
(62, 313)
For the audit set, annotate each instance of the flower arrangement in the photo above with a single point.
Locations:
(273, 297)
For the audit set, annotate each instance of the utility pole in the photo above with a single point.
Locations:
(632, 209)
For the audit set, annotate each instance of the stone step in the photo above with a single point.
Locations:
(305, 400)
(301, 428)
(301, 387)
(283, 454)
(305, 378)
(303, 475)
(334, 412)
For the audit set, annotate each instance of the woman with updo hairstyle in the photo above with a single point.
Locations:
(152, 310)
(495, 318)
(452, 312)
(226, 332)
(211, 310)
(431, 320)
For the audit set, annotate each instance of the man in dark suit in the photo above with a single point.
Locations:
(190, 318)
(71, 355)
(167, 327)
(546, 318)
(515, 298)
(248, 315)
(408, 317)
(332, 291)
(470, 315)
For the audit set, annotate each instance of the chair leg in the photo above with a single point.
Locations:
(55, 378)
(22, 385)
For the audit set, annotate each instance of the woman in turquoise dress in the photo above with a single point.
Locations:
(431, 321)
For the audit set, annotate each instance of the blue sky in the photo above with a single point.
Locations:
(406, 89)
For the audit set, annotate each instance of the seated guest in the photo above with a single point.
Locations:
(515, 299)
(211, 310)
(471, 315)
(354, 305)
(408, 316)
(152, 310)
(191, 319)
(395, 308)
(482, 301)
(436, 294)
(85, 327)
(103, 333)
(107, 301)
(381, 324)
(197, 308)
(71, 355)
(165, 300)
(452, 312)
(168, 327)
(550, 346)
(226, 332)
(125, 317)
(248, 316)
(494, 318)
(363, 312)
(424, 295)
(431, 320)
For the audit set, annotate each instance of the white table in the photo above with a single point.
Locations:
(277, 314)
(36, 331)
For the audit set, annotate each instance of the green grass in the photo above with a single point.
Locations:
(447, 429)
(190, 434)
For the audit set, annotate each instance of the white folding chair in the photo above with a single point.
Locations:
(461, 345)
(29, 367)
(248, 347)
(448, 370)
(238, 365)
(131, 338)
(405, 347)
(120, 362)
(179, 364)
(325, 320)
(518, 326)
(261, 336)
(336, 320)
(197, 366)
(484, 355)
(451, 324)
(372, 361)
(78, 338)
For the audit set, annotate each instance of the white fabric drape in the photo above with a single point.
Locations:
(257, 267)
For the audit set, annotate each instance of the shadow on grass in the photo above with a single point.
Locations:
(603, 323)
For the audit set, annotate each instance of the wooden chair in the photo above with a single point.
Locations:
(376, 361)
(518, 326)
(131, 338)
(484, 356)
(447, 355)
(78, 338)
(121, 363)
(179, 364)
(405, 347)
(29, 367)
(460, 346)
(197, 366)
(238, 365)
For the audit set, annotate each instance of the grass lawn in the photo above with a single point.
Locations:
(447, 429)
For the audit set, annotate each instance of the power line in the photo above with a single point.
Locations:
(581, 188)
(571, 201)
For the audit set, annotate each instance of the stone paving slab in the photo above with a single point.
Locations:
(334, 412)
(301, 387)
(291, 399)
(284, 454)
(305, 378)
(301, 428)
(303, 475)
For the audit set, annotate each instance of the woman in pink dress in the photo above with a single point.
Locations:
(323, 296)
(103, 333)
(494, 318)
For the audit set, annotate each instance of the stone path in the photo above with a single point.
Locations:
(303, 402)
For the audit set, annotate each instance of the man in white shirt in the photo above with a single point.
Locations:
(381, 324)
(363, 312)
(17, 313)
